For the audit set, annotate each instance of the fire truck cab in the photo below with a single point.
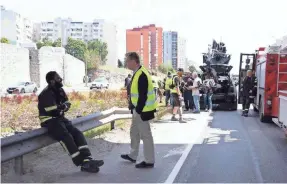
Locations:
(270, 69)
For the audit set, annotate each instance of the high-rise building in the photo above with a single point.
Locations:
(17, 29)
(147, 42)
(170, 48)
(181, 53)
(85, 31)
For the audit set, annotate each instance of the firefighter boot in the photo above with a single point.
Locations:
(173, 118)
(90, 165)
(245, 114)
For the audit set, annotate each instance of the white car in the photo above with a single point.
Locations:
(22, 87)
(100, 83)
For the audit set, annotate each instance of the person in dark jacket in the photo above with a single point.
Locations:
(208, 86)
(142, 106)
(128, 80)
(52, 105)
(246, 90)
(187, 93)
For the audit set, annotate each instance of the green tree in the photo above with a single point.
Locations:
(100, 48)
(57, 43)
(165, 68)
(92, 59)
(76, 48)
(4, 40)
(44, 42)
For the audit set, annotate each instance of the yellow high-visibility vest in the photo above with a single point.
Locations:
(151, 103)
(173, 90)
(168, 82)
(154, 81)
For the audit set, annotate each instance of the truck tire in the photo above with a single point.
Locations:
(263, 119)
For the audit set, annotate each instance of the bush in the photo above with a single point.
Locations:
(19, 112)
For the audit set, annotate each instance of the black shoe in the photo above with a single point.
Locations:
(127, 157)
(88, 166)
(144, 165)
(245, 115)
(96, 163)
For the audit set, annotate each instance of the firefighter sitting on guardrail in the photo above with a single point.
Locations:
(52, 104)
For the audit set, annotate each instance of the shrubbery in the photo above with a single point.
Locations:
(19, 112)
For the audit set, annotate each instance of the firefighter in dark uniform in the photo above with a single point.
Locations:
(52, 104)
(247, 91)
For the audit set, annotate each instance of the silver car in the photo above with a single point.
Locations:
(22, 87)
(100, 83)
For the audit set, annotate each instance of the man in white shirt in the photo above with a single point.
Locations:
(195, 91)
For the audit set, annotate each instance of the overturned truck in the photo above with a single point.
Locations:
(216, 65)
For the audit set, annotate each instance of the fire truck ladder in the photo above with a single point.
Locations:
(284, 72)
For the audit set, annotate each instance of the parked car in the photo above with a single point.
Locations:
(22, 87)
(100, 83)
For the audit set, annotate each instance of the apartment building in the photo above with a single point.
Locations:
(17, 29)
(147, 42)
(170, 48)
(181, 53)
(85, 31)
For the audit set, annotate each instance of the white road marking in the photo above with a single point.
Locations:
(186, 152)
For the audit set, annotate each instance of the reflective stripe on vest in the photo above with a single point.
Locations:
(168, 82)
(151, 103)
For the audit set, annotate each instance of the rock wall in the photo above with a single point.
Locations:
(34, 66)
(14, 65)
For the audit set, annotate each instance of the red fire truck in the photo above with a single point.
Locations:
(270, 67)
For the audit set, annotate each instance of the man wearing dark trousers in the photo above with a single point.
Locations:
(143, 106)
(188, 99)
(167, 83)
(52, 104)
(246, 90)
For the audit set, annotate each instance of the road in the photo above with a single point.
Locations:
(221, 147)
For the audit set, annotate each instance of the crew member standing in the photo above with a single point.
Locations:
(167, 83)
(128, 80)
(176, 96)
(143, 107)
(52, 104)
(247, 90)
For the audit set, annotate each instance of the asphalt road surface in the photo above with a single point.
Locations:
(221, 147)
(224, 147)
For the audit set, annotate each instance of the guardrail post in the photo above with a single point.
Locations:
(112, 125)
(18, 165)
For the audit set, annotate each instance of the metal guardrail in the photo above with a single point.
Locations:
(16, 146)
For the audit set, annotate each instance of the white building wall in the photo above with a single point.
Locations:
(110, 37)
(50, 59)
(14, 63)
(15, 28)
(181, 53)
(74, 70)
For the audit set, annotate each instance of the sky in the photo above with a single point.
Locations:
(244, 25)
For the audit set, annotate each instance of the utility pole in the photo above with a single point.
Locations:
(86, 74)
